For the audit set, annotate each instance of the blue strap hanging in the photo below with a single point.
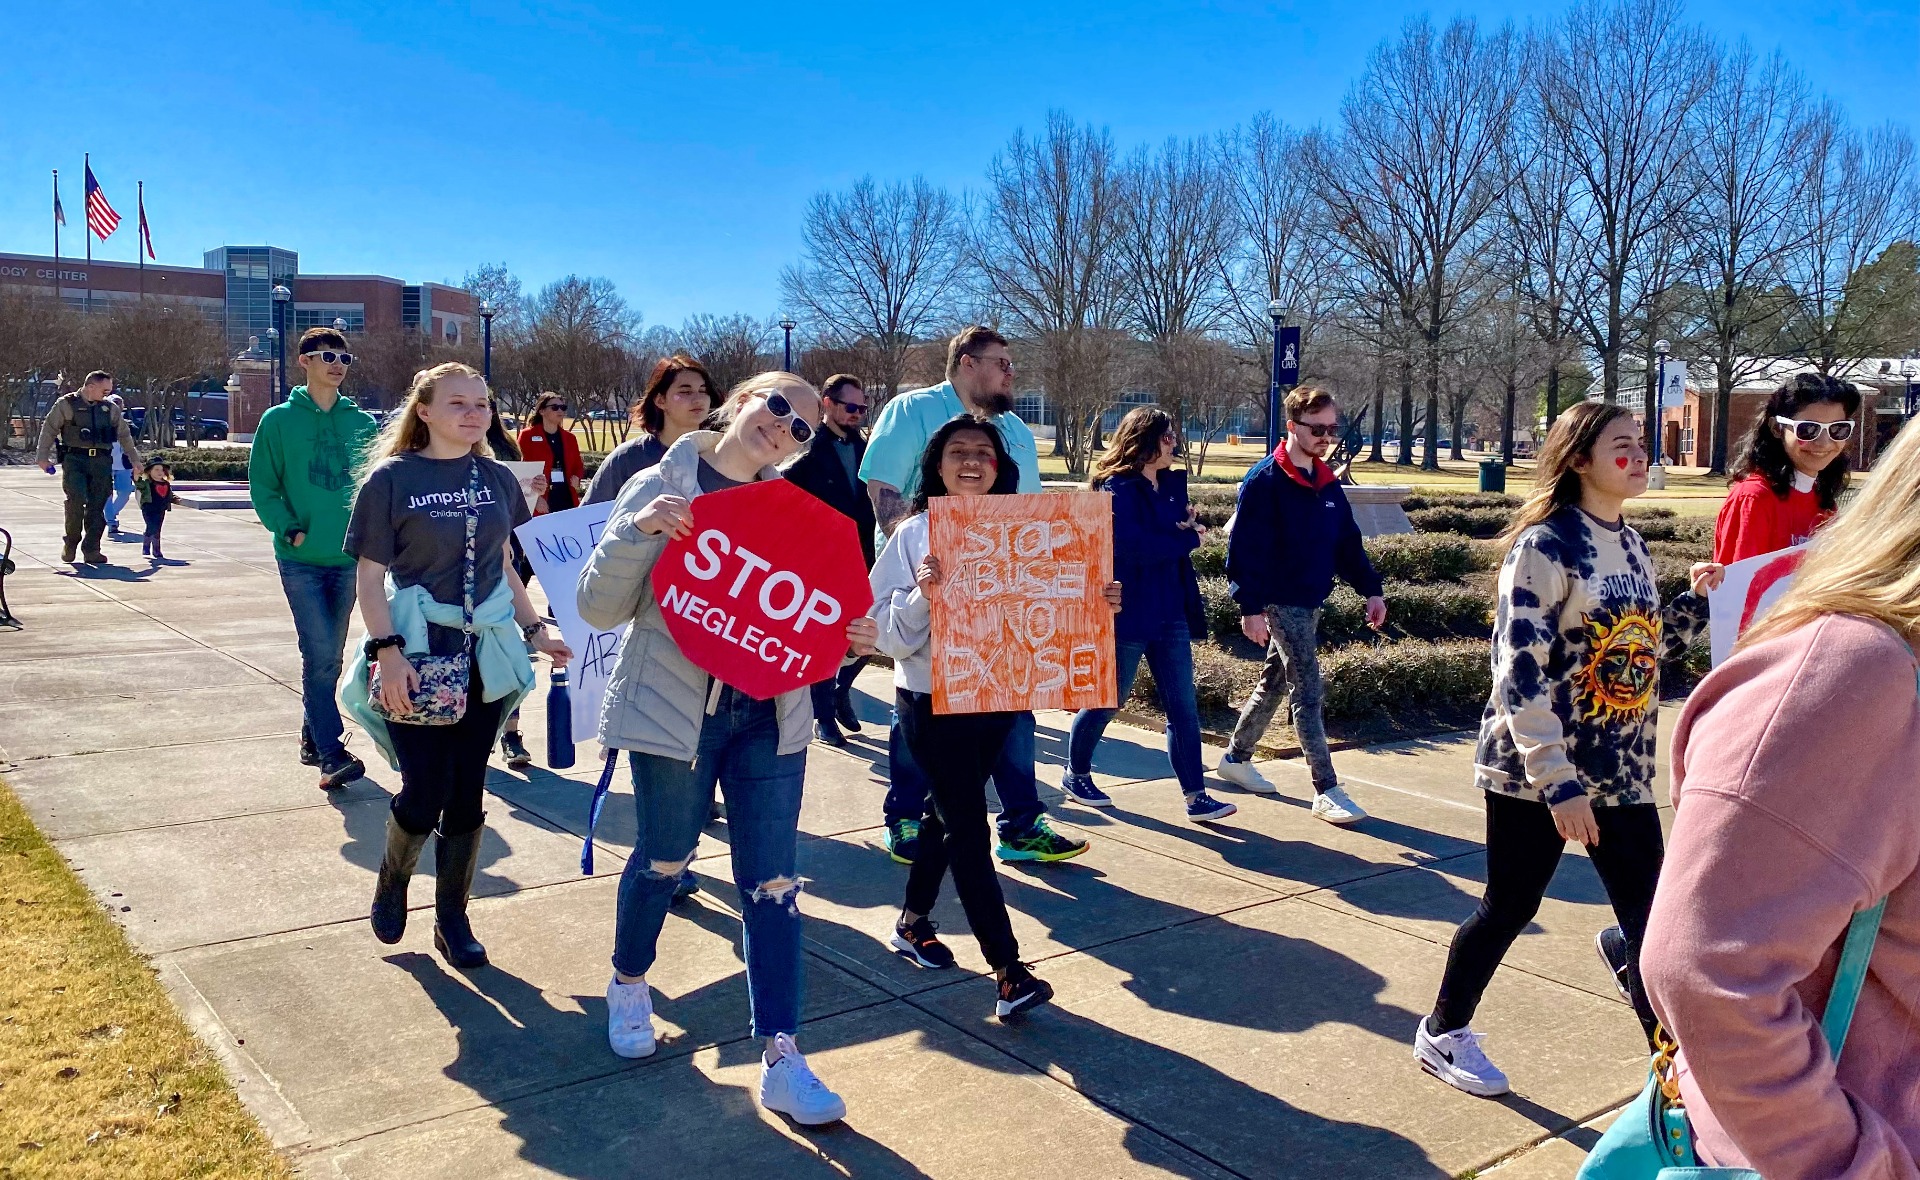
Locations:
(600, 790)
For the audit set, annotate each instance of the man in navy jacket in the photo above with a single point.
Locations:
(1292, 533)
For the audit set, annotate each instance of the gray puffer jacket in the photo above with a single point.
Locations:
(657, 699)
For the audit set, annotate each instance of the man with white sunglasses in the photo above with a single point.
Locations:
(300, 474)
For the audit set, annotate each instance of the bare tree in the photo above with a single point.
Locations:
(1282, 252)
(1541, 250)
(1859, 200)
(575, 343)
(732, 347)
(1617, 90)
(40, 340)
(493, 284)
(879, 267)
(1176, 222)
(1415, 174)
(1047, 245)
(160, 351)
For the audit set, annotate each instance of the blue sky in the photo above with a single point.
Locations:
(671, 148)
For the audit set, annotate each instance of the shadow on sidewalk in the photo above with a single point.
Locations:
(593, 1129)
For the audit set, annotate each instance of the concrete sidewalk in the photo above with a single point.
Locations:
(1233, 1000)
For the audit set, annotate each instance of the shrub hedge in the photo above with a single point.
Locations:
(1424, 557)
(1451, 678)
(224, 464)
(1415, 501)
(1445, 611)
(1210, 560)
(1468, 522)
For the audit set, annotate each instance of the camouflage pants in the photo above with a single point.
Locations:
(1292, 671)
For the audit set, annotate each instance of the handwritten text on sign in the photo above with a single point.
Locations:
(1020, 622)
(558, 545)
(759, 596)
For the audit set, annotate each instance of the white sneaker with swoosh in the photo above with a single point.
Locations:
(1457, 1059)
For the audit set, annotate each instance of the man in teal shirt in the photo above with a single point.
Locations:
(979, 381)
(306, 453)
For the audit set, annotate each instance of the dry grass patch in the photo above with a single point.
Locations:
(99, 1075)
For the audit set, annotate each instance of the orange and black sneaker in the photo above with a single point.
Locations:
(921, 944)
(1020, 991)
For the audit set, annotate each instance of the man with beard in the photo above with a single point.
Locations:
(980, 382)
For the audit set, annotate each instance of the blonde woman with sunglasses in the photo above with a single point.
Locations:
(686, 732)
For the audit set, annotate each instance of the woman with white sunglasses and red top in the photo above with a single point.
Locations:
(1791, 468)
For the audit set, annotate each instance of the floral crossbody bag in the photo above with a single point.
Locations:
(441, 697)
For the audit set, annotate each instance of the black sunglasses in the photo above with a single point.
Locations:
(1316, 430)
(780, 407)
(850, 407)
(561, 406)
(329, 357)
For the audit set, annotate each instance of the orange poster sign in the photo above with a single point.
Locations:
(1020, 622)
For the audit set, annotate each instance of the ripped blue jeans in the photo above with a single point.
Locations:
(739, 746)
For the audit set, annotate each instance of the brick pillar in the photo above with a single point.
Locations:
(256, 394)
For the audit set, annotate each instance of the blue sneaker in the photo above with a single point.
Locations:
(1204, 808)
(1081, 788)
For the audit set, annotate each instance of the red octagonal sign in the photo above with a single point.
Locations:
(760, 593)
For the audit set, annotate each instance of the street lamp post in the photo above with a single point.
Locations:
(1910, 390)
(276, 360)
(486, 338)
(1277, 311)
(787, 325)
(281, 297)
(1656, 411)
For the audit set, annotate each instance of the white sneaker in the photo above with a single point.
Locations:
(1457, 1060)
(789, 1087)
(630, 1018)
(1245, 776)
(1336, 808)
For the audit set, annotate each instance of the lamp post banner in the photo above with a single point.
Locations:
(558, 545)
(759, 594)
(1289, 367)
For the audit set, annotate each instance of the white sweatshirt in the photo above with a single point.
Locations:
(902, 612)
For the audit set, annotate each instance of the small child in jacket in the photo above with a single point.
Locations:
(155, 486)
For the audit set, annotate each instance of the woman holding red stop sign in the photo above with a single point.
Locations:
(685, 731)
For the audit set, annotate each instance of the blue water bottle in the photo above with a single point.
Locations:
(559, 722)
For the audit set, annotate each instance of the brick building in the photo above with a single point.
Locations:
(1686, 435)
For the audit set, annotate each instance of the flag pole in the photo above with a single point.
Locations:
(88, 234)
(56, 235)
(139, 244)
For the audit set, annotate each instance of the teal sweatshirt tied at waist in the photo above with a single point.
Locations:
(499, 651)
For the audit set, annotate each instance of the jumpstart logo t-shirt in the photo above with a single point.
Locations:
(410, 515)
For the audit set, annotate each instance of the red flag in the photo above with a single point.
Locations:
(146, 239)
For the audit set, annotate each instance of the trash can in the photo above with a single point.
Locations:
(1493, 475)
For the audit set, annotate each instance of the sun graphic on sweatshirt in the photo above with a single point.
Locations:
(1618, 680)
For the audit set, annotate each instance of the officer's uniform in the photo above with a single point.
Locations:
(83, 433)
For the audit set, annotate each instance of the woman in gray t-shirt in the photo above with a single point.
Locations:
(409, 532)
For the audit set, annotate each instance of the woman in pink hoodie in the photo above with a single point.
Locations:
(1796, 783)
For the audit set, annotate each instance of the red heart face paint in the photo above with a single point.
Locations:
(1622, 462)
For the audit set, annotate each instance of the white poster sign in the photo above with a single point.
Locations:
(1752, 586)
(558, 544)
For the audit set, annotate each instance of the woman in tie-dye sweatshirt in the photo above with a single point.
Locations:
(1566, 748)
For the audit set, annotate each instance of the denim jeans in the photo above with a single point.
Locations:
(826, 694)
(122, 492)
(738, 748)
(322, 600)
(1170, 657)
(909, 794)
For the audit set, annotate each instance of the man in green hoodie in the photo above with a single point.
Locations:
(305, 455)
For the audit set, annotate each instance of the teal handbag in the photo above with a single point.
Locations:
(1652, 1140)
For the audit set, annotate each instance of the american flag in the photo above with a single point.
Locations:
(101, 218)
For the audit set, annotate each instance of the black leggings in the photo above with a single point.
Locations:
(957, 751)
(1523, 849)
(443, 768)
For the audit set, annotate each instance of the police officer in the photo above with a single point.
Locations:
(82, 428)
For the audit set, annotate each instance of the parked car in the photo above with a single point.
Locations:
(205, 428)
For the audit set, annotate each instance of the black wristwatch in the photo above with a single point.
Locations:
(374, 645)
